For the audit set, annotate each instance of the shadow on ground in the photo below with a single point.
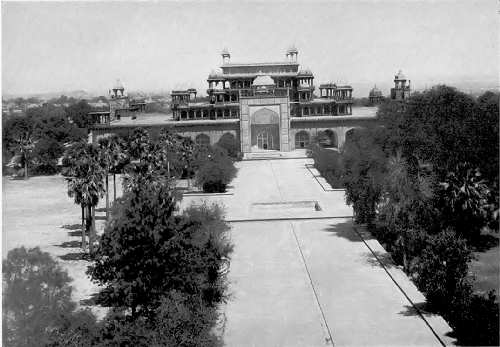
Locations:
(380, 259)
(346, 231)
(75, 256)
(486, 242)
(72, 226)
(413, 310)
(70, 244)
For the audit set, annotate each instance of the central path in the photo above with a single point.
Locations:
(303, 277)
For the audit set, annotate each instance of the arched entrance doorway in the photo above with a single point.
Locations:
(265, 129)
(265, 140)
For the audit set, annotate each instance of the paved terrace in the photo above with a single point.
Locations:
(304, 276)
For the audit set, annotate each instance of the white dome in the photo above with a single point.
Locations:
(264, 80)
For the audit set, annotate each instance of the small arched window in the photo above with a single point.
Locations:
(301, 139)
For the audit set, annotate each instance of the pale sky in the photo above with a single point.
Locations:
(150, 46)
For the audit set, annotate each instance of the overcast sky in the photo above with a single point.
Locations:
(158, 46)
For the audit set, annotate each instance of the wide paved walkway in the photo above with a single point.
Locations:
(311, 282)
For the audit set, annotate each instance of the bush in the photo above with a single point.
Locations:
(229, 143)
(329, 164)
(215, 170)
(364, 173)
(474, 318)
(179, 320)
(442, 269)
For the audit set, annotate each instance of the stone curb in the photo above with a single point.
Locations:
(362, 234)
(277, 219)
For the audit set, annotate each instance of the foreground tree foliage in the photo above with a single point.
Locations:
(37, 306)
(147, 250)
(179, 320)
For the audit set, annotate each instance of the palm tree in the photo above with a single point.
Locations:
(25, 145)
(105, 153)
(85, 177)
(119, 159)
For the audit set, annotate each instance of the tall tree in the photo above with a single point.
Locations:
(120, 158)
(85, 177)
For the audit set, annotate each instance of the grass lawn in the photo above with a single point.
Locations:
(486, 266)
(38, 212)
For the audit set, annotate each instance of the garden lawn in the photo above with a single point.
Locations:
(38, 212)
(486, 266)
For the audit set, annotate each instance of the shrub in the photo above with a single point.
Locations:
(215, 170)
(442, 269)
(365, 169)
(474, 318)
(229, 143)
(329, 163)
(179, 320)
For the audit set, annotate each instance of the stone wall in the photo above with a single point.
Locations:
(213, 131)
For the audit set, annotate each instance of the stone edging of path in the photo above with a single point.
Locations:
(406, 293)
(277, 219)
(328, 187)
(276, 158)
(207, 194)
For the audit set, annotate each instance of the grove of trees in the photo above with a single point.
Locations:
(161, 270)
(425, 182)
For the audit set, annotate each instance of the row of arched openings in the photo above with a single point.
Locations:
(204, 140)
(326, 138)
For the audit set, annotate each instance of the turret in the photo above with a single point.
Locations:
(291, 54)
(117, 91)
(226, 56)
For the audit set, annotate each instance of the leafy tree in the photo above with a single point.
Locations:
(147, 250)
(214, 169)
(37, 306)
(45, 156)
(139, 144)
(365, 169)
(78, 113)
(437, 127)
(19, 139)
(406, 207)
(44, 130)
(442, 269)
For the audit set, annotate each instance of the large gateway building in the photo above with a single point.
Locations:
(265, 106)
